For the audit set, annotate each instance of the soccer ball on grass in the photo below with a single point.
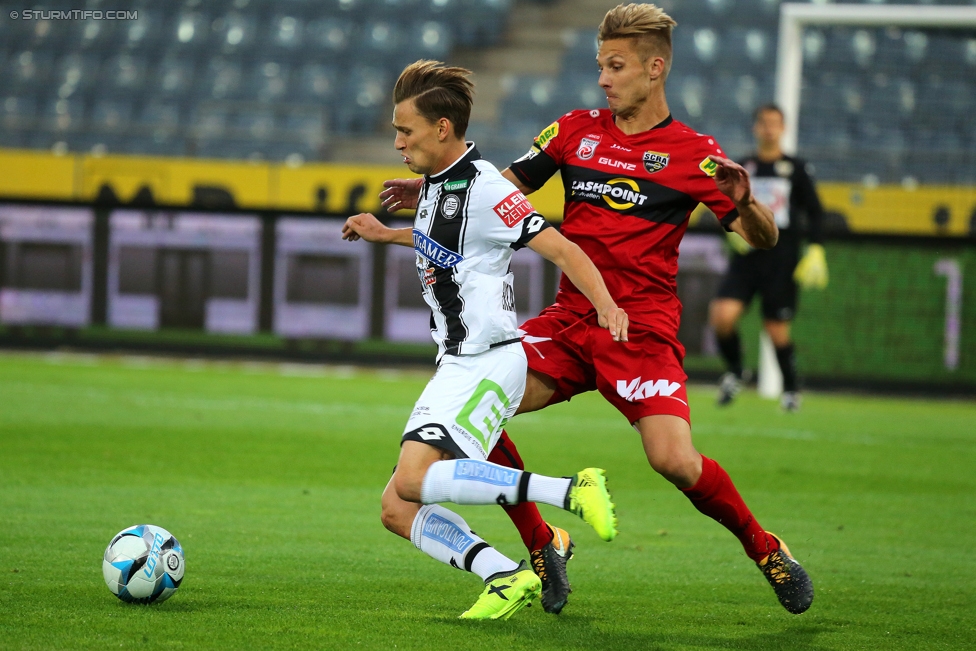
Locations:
(143, 564)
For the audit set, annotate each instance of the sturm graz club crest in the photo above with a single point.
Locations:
(655, 161)
(587, 148)
(450, 206)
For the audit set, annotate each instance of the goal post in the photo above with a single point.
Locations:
(794, 18)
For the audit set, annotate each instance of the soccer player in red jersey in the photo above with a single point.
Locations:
(632, 177)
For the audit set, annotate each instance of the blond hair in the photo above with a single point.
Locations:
(646, 24)
(438, 92)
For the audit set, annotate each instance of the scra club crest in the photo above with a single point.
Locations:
(655, 161)
(587, 148)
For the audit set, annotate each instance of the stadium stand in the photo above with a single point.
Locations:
(232, 78)
(283, 79)
(725, 60)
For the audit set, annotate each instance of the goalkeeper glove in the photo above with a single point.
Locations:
(811, 272)
(738, 244)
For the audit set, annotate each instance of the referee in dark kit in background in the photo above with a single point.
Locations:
(784, 184)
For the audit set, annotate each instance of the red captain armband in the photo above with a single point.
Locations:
(514, 208)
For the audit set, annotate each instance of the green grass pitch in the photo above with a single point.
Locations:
(270, 476)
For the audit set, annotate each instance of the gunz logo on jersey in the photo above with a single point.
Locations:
(620, 193)
(655, 161)
(514, 208)
(587, 148)
(617, 164)
(434, 253)
(635, 390)
(547, 135)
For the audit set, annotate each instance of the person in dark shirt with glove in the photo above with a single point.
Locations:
(784, 184)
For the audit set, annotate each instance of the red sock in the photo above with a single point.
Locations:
(535, 533)
(715, 495)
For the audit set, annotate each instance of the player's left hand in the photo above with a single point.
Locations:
(732, 180)
(365, 226)
(615, 320)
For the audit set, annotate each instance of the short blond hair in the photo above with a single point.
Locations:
(646, 24)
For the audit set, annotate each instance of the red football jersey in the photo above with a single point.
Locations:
(628, 199)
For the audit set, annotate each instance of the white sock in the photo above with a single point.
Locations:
(490, 561)
(467, 481)
(445, 536)
(548, 490)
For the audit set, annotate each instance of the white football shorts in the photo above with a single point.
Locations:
(468, 401)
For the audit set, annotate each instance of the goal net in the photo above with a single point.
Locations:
(881, 100)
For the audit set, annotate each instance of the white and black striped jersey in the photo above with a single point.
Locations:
(469, 221)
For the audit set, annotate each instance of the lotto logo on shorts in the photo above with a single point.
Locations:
(636, 390)
(514, 208)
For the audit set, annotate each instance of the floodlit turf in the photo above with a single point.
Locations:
(270, 477)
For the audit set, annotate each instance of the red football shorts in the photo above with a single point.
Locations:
(640, 377)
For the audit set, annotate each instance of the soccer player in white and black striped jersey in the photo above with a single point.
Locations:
(469, 221)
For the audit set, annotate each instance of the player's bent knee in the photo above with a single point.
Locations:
(395, 514)
(407, 486)
(681, 470)
(388, 518)
(397, 520)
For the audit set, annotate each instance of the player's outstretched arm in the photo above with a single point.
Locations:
(552, 246)
(366, 226)
(755, 223)
(400, 194)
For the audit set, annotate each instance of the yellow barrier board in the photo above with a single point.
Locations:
(345, 189)
(895, 210)
(26, 174)
(924, 210)
(337, 189)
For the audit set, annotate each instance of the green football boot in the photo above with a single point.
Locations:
(588, 498)
(505, 594)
